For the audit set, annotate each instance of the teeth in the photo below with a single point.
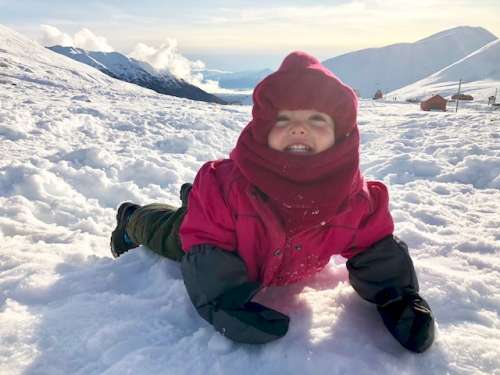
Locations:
(298, 148)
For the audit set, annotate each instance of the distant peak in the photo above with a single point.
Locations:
(459, 31)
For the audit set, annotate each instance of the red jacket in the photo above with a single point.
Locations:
(225, 210)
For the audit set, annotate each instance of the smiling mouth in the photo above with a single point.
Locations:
(299, 149)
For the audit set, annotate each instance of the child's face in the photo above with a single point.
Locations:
(302, 132)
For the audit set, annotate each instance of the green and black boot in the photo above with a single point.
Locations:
(120, 241)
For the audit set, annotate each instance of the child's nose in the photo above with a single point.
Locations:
(298, 127)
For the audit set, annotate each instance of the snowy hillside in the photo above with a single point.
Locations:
(138, 72)
(26, 60)
(75, 143)
(479, 72)
(395, 66)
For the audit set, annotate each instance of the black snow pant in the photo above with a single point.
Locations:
(156, 226)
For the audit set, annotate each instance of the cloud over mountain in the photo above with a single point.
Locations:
(166, 57)
(84, 39)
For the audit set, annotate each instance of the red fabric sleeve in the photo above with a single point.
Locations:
(208, 219)
(376, 224)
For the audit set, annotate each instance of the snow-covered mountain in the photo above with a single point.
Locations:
(24, 61)
(479, 72)
(74, 143)
(138, 72)
(398, 65)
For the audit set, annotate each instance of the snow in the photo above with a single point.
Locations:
(75, 143)
(479, 72)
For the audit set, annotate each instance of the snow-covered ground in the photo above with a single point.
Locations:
(75, 143)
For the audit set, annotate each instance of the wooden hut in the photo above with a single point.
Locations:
(434, 103)
(462, 97)
(378, 95)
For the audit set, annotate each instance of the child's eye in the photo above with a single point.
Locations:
(317, 120)
(281, 121)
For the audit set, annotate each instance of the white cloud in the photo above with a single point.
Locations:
(166, 57)
(52, 36)
(84, 38)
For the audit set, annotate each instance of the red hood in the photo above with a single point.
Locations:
(320, 181)
(302, 82)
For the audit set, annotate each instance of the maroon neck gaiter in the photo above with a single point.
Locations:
(320, 184)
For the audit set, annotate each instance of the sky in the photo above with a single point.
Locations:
(242, 34)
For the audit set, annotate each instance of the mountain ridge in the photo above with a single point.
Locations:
(478, 71)
(122, 67)
(397, 65)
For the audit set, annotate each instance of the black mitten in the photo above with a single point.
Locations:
(410, 321)
(217, 283)
(384, 274)
(252, 323)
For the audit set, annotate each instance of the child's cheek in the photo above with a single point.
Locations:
(275, 138)
(277, 132)
(324, 132)
(323, 129)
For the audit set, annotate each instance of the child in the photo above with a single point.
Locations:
(290, 196)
